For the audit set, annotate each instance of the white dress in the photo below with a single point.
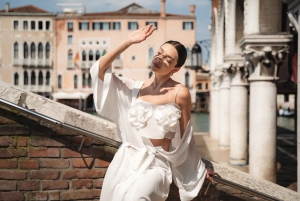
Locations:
(140, 171)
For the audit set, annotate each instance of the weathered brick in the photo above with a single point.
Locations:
(6, 121)
(81, 194)
(44, 152)
(6, 141)
(37, 196)
(38, 129)
(10, 153)
(39, 141)
(14, 130)
(30, 164)
(54, 195)
(84, 174)
(54, 163)
(44, 174)
(11, 175)
(29, 185)
(98, 142)
(84, 152)
(109, 151)
(83, 162)
(8, 164)
(98, 183)
(80, 183)
(76, 141)
(101, 163)
(22, 141)
(54, 185)
(8, 185)
(62, 131)
(11, 196)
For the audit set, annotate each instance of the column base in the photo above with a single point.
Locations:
(240, 162)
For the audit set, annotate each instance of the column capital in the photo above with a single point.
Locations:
(239, 72)
(215, 79)
(264, 54)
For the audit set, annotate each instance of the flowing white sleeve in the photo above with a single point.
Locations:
(112, 95)
(188, 170)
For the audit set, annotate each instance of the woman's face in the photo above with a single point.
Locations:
(165, 60)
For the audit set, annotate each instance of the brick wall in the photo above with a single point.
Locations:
(39, 163)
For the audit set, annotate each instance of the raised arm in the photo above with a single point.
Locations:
(135, 37)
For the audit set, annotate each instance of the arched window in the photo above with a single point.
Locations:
(83, 81)
(25, 47)
(97, 54)
(104, 52)
(47, 51)
(59, 81)
(41, 78)
(25, 78)
(32, 78)
(16, 79)
(70, 55)
(150, 55)
(90, 81)
(187, 79)
(16, 50)
(150, 74)
(40, 51)
(91, 56)
(32, 51)
(75, 81)
(48, 78)
(83, 55)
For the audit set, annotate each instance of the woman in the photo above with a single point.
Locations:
(153, 121)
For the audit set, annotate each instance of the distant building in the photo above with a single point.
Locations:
(27, 48)
(82, 38)
(51, 54)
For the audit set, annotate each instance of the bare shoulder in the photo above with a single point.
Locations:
(183, 96)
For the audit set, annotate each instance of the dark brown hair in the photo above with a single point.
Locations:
(181, 51)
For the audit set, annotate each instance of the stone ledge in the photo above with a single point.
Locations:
(255, 183)
(58, 111)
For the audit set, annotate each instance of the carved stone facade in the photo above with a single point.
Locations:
(249, 53)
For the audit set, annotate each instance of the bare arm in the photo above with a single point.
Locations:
(135, 37)
(185, 103)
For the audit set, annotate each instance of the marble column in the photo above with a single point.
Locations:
(263, 61)
(214, 107)
(238, 114)
(224, 105)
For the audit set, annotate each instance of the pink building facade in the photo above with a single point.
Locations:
(81, 39)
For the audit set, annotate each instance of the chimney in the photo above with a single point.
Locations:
(163, 8)
(7, 7)
(192, 10)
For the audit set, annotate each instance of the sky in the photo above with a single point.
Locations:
(202, 11)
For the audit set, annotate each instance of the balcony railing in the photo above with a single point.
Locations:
(70, 64)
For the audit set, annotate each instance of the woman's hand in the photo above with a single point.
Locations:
(140, 34)
(209, 172)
